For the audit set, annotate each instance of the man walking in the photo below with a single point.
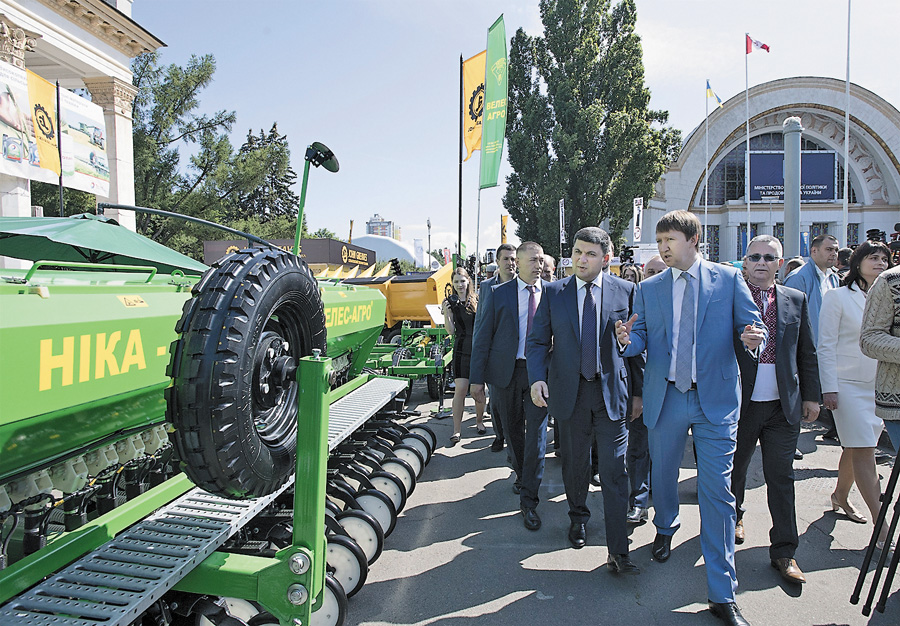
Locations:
(506, 271)
(814, 279)
(777, 391)
(583, 379)
(692, 310)
(498, 358)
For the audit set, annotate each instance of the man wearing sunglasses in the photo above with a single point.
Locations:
(777, 391)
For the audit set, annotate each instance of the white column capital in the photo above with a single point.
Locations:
(113, 94)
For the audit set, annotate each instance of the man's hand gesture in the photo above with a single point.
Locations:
(623, 331)
(540, 393)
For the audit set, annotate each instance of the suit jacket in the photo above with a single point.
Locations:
(724, 307)
(556, 325)
(839, 354)
(806, 279)
(485, 288)
(796, 366)
(495, 340)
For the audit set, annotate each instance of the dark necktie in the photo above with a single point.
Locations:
(589, 334)
(685, 357)
(532, 307)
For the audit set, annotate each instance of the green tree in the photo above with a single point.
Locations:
(248, 189)
(323, 233)
(46, 195)
(579, 127)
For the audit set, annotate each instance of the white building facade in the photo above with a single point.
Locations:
(83, 44)
(820, 104)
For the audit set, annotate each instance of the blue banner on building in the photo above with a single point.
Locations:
(817, 176)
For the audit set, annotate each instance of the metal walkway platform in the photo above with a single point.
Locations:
(121, 579)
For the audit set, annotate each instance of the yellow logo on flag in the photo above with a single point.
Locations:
(503, 219)
(42, 95)
(499, 70)
(473, 102)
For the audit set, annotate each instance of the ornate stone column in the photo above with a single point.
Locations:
(117, 97)
(15, 42)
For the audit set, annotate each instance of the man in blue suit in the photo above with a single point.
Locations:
(498, 358)
(692, 310)
(506, 271)
(816, 277)
(575, 366)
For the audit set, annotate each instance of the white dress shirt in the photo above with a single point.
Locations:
(765, 389)
(523, 311)
(581, 293)
(677, 298)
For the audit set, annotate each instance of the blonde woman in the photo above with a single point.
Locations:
(459, 319)
(848, 380)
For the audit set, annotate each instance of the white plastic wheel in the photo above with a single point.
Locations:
(348, 562)
(334, 605)
(419, 445)
(396, 492)
(411, 456)
(364, 532)
(379, 509)
(427, 433)
(407, 477)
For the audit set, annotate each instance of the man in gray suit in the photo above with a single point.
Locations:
(506, 271)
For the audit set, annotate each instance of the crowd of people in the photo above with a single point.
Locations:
(614, 361)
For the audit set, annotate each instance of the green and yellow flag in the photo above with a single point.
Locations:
(495, 94)
(42, 95)
(473, 102)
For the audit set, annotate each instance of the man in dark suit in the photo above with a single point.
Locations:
(584, 380)
(685, 318)
(506, 271)
(498, 358)
(777, 391)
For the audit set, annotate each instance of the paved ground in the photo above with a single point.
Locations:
(460, 553)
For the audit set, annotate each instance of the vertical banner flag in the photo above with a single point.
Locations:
(473, 102)
(638, 219)
(712, 94)
(42, 98)
(562, 223)
(495, 94)
(753, 43)
(503, 219)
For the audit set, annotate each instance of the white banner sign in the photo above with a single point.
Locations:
(84, 161)
(562, 223)
(638, 217)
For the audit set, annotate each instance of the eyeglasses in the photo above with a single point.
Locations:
(768, 258)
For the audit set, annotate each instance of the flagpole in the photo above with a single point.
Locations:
(461, 105)
(706, 178)
(477, 233)
(846, 211)
(747, 155)
(59, 149)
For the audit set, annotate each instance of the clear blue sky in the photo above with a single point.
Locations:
(378, 82)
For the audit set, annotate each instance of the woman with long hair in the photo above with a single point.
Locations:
(632, 273)
(848, 380)
(459, 319)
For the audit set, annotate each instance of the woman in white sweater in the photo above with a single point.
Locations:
(848, 380)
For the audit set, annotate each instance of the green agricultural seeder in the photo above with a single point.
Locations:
(189, 445)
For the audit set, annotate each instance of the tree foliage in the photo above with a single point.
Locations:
(248, 189)
(46, 195)
(579, 127)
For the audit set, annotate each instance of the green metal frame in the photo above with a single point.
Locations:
(297, 571)
(419, 364)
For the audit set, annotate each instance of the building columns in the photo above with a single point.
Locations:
(117, 97)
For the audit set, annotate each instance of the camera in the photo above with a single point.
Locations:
(454, 300)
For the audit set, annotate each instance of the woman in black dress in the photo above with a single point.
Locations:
(459, 319)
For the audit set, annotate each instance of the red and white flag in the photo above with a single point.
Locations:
(753, 43)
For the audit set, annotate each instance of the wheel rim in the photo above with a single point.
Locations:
(427, 433)
(392, 490)
(347, 569)
(274, 395)
(411, 456)
(330, 612)
(377, 509)
(419, 445)
(407, 477)
(362, 532)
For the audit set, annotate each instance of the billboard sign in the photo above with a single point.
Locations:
(818, 173)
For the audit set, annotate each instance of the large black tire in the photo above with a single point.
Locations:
(233, 402)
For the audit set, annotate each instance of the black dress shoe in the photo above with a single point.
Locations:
(621, 564)
(662, 548)
(517, 488)
(497, 446)
(595, 480)
(728, 613)
(637, 515)
(532, 521)
(577, 535)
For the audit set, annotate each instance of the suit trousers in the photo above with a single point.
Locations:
(765, 422)
(494, 402)
(591, 423)
(525, 430)
(637, 461)
(715, 446)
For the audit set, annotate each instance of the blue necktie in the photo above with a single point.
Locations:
(685, 356)
(589, 334)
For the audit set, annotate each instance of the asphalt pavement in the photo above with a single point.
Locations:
(460, 553)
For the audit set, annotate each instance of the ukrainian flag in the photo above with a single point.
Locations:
(711, 94)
